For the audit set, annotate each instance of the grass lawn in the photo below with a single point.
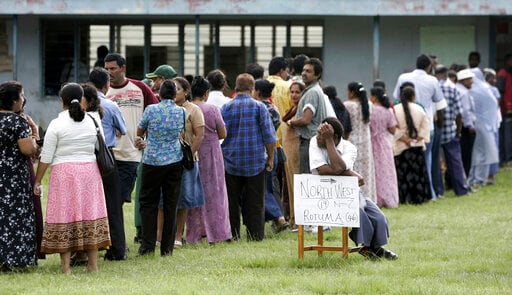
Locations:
(457, 245)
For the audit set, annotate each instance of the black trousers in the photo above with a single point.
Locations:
(467, 140)
(155, 179)
(114, 202)
(247, 193)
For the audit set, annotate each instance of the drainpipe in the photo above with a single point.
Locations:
(15, 47)
(376, 46)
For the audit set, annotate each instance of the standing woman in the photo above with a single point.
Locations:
(214, 214)
(382, 127)
(192, 194)
(76, 215)
(161, 168)
(290, 144)
(18, 236)
(359, 110)
(409, 149)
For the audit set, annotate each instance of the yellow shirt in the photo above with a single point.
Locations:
(281, 99)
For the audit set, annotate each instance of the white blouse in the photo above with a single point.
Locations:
(69, 141)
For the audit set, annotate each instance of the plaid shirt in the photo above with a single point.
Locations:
(249, 128)
(454, 108)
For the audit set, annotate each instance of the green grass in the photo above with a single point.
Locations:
(457, 245)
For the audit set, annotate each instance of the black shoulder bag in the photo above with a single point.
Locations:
(104, 157)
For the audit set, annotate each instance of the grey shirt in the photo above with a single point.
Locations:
(313, 99)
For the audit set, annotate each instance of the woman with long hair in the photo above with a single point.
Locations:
(409, 149)
(359, 109)
(382, 127)
(76, 215)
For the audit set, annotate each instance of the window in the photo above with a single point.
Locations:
(5, 50)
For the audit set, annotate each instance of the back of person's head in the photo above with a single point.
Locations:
(217, 80)
(244, 82)
(336, 126)
(381, 96)
(317, 65)
(255, 70)
(91, 96)
(99, 77)
(10, 92)
(118, 58)
(452, 75)
(102, 51)
(489, 74)
(406, 96)
(167, 90)
(330, 91)
(403, 86)
(199, 86)
(379, 83)
(360, 92)
(277, 64)
(71, 95)
(423, 62)
(298, 63)
(265, 87)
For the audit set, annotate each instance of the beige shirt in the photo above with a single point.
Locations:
(421, 123)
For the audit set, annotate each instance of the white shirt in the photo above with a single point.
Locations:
(468, 106)
(217, 98)
(329, 110)
(319, 157)
(427, 92)
(69, 141)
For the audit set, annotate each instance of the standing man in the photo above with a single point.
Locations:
(132, 96)
(112, 122)
(248, 151)
(429, 95)
(158, 77)
(467, 138)
(451, 133)
(504, 84)
(310, 111)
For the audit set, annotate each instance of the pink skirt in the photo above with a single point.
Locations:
(76, 214)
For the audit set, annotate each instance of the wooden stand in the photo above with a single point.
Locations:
(345, 249)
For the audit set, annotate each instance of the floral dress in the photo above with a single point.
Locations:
(18, 232)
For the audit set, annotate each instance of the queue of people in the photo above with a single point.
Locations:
(245, 150)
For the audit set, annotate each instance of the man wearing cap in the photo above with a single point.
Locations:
(451, 132)
(159, 75)
(430, 96)
(467, 138)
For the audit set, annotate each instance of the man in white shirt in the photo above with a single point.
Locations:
(330, 154)
(430, 96)
(467, 138)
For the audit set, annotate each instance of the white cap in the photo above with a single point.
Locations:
(465, 74)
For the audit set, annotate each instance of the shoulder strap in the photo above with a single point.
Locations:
(95, 124)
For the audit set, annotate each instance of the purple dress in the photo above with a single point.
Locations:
(212, 218)
(382, 144)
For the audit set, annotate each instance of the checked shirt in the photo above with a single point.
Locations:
(454, 108)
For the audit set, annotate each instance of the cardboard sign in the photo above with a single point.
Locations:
(326, 200)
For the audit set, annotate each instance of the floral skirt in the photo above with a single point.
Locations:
(76, 214)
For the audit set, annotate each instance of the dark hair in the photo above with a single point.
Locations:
(422, 62)
(298, 63)
(118, 58)
(452, 74)
(317, 65)
(336, 126)
(102, 51)
(359, 91)
(10, 92)
(277, 64)
(99, 77)
(199, 86)
(255, 70)
(71, 95)
(405, 84)
(168, 89)
(474, 54)
(217, 79)
(300, 84)
(265, 87)
(331, 92)
(458, 67)
(380, 94)
(93, 102)
(379, 83)
(184, 84)
(406, 96)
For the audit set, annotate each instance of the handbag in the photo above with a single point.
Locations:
(104, 157)
(188, 157)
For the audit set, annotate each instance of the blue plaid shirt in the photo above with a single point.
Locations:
(454, 108)
(249, 128)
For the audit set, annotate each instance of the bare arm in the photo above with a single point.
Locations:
(27, 146)
(198, 139)
(302, 121)
(269, 147)
(221, 133)
(41, 169)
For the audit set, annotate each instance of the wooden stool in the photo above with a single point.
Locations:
(345, 249)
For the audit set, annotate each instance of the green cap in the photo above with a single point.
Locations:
(164, 71)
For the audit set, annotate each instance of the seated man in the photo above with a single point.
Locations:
(330, 154)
